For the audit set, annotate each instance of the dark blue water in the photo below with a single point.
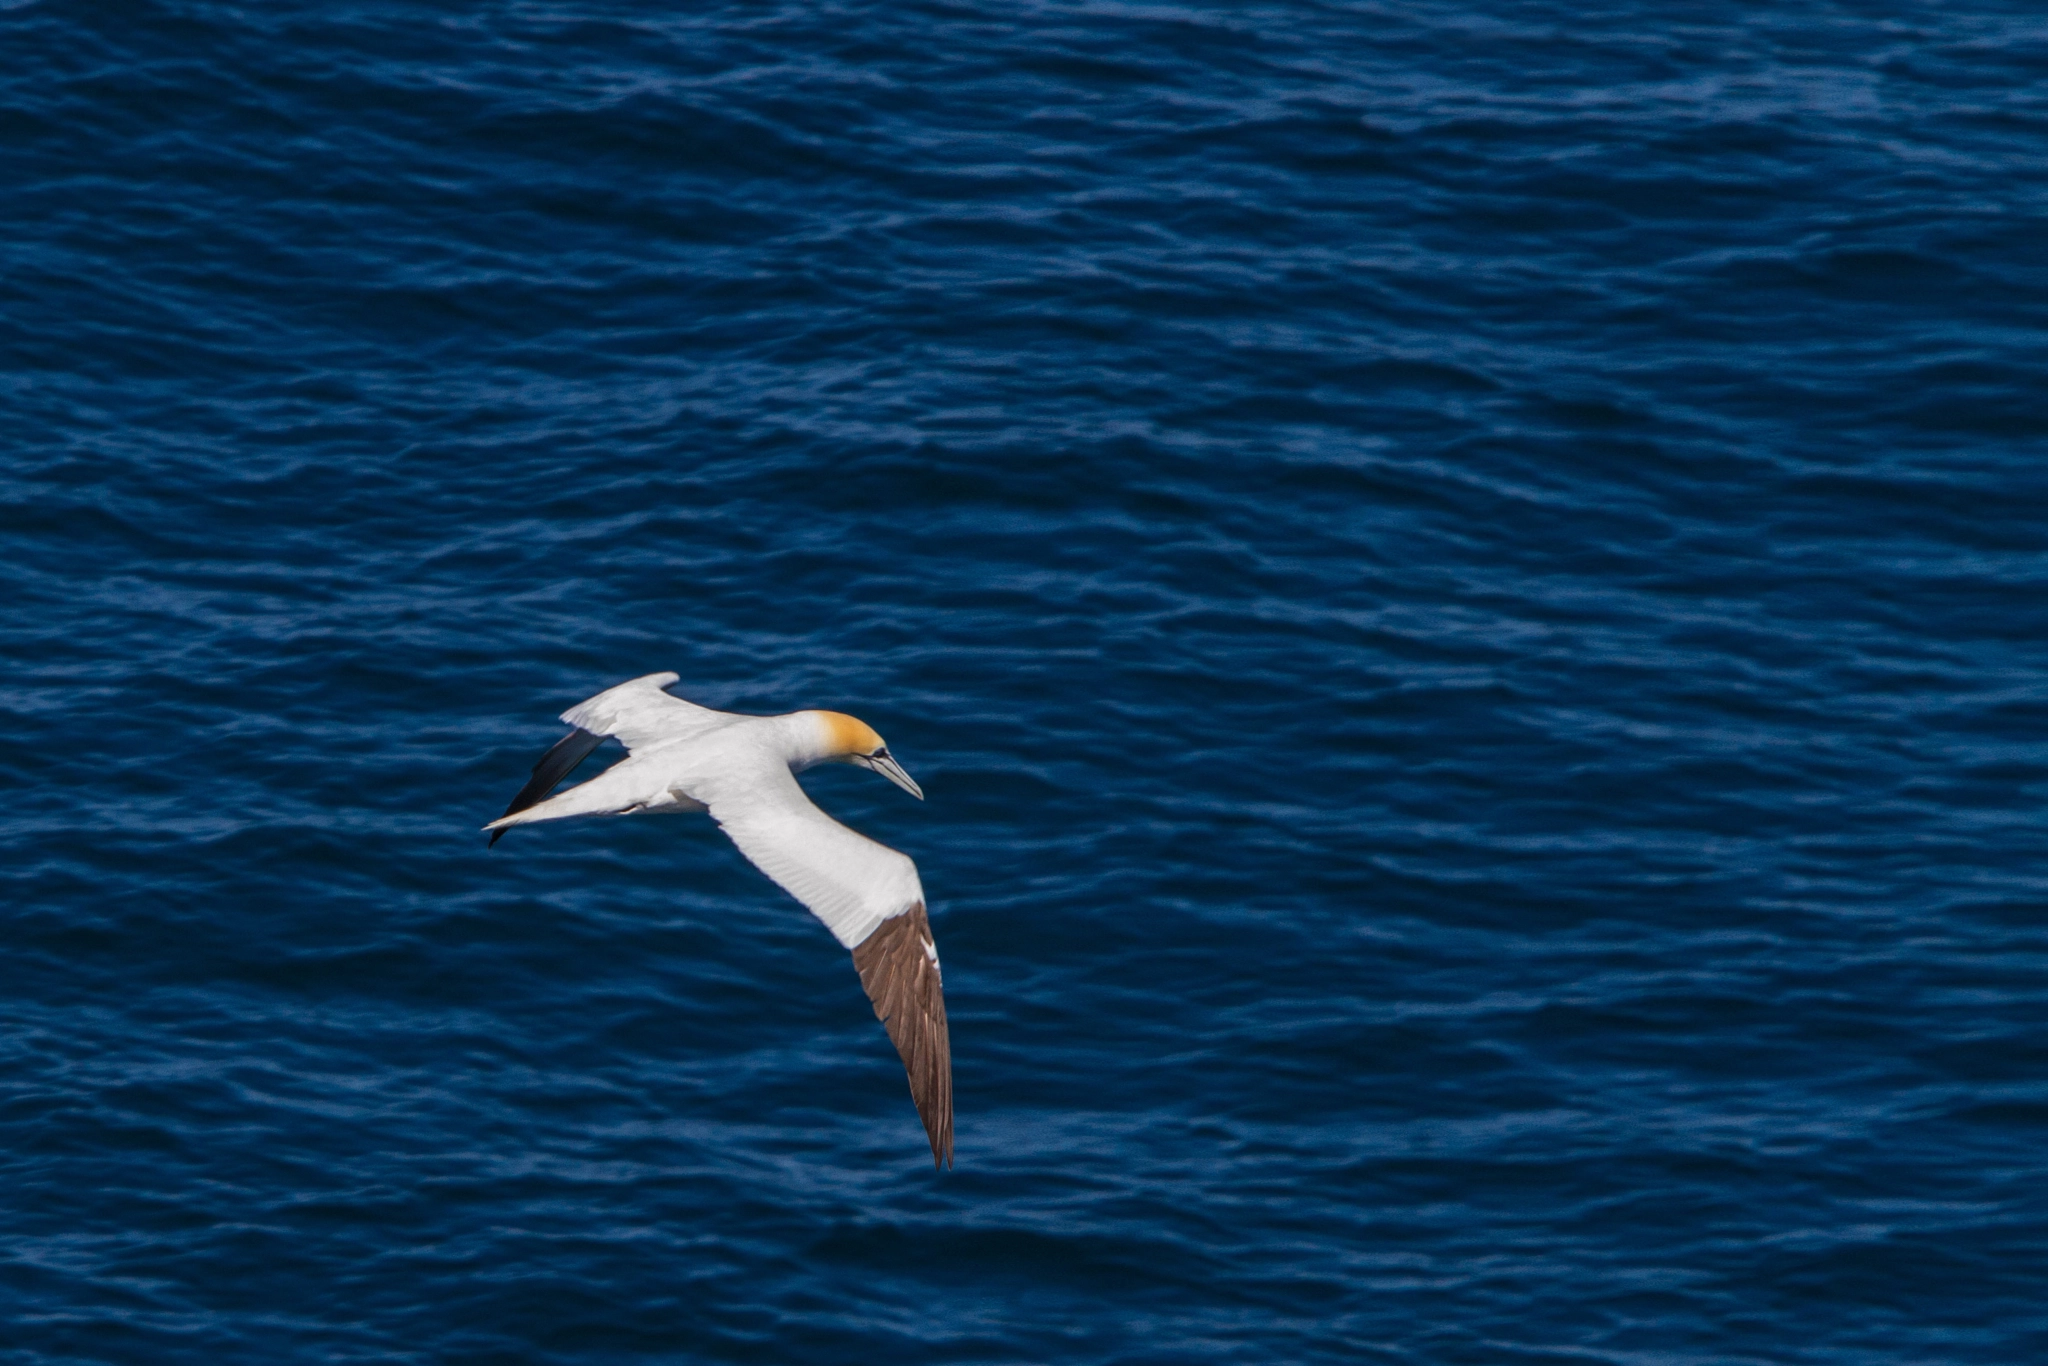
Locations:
(1466, 583)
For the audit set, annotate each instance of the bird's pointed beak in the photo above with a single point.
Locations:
(884, 763)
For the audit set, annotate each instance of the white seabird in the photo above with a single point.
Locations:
(742, 769)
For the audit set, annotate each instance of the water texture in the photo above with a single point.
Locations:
(1465, 583)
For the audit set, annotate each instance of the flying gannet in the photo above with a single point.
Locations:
(742, 769)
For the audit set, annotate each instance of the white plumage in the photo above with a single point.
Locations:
(683, 757)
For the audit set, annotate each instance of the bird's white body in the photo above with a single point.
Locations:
(742, 769)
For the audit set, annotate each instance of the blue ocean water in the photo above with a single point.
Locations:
(1465, 583)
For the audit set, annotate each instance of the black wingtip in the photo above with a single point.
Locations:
(557, 764)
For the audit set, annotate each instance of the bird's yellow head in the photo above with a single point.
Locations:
(850, 740)
(848, 736)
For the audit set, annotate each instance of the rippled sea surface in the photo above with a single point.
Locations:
(1465, 581)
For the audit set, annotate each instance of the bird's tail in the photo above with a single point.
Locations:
(607, 794)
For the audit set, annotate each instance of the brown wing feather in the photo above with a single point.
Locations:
(900, 971)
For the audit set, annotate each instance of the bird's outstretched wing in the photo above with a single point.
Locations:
(640, 715)
(869, 896)
(637, 713)
(557, 764)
